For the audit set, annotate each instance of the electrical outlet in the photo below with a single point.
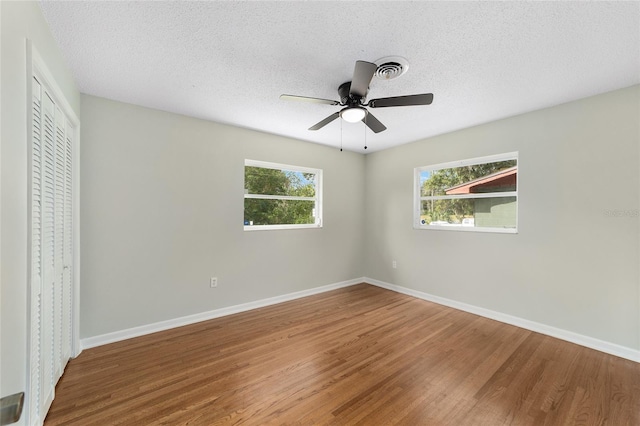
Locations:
(394, 264)
(214, 282)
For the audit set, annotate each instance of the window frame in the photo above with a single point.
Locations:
(289, 168)
(418, 199)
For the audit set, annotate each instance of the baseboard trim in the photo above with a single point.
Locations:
(569, 336)
(116, 336)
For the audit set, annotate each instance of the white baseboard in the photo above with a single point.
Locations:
(116, 336)
(569, 336)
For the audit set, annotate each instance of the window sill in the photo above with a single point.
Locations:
(279, 227)
(467, 229)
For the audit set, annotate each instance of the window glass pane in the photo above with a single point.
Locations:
(496, 212)
(265, 181)
(278, 212)
(500, 176)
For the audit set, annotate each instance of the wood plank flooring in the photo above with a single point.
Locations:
(360, 355)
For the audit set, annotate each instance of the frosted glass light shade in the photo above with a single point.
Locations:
(353, 114)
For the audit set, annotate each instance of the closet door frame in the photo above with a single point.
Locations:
(36, 68)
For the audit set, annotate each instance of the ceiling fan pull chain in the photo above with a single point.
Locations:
(340, 135)
(365, 131)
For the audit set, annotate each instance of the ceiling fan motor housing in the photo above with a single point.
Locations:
(346, 98)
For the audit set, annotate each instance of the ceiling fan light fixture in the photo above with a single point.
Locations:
(353, 114)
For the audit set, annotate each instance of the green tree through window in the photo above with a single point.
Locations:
(276, 196)
(439, 181)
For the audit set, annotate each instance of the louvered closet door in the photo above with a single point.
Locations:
(67, 255)
(36, 256)
(48, 250)
(51, 304)
(58, 238)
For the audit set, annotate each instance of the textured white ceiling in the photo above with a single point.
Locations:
(229, 61)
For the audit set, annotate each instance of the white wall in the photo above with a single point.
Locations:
(162, 211)
(571, 266)
(20, 20)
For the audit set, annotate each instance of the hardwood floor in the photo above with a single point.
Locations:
(355, 356)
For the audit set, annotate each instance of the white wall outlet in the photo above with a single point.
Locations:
(394, 264)
(213, 282)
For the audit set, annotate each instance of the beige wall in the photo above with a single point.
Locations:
(162, 211)
(572, 265)
(20, 21)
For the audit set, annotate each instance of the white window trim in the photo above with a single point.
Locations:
(287, 167)
(417, 198)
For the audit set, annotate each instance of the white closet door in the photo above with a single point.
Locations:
(58, 239)
(67, 256)
(52, 299)
(36, 254)
(48, 317)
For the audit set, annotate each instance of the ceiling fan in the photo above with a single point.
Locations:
(352, 96)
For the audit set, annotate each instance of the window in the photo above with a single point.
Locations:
(277, 196)
(479, 194)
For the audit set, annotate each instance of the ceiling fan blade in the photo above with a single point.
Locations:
(326, 121)
(308, 99)
(423, 99)
(362, 75)
(373, 123)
